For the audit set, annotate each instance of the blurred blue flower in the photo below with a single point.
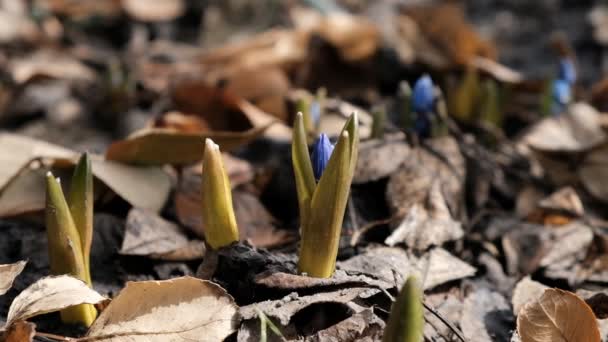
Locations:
(422, 125)
(423, 95)
(561, 95)
(567, 71)
(321, 151)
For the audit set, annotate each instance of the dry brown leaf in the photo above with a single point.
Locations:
(228, 120)
(485, 316)
(379, 158)
(83, 9)
(8, 273)
(526, 290)
(51, 294)
(354, 37)
(576, 130)
(20, 190)
(148, 234)
(154, 10)
(180, 309)
(19, 331)
(411, 183)
(428, 225)
(592, 173)
(558, 316)
(48, 63)
(446, 29)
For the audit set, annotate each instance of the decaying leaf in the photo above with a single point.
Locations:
(485, 316)
(558, 316)
(53, 64)
(440, 162)
(526, 290)
(180, 309)
(148, 234)
(283, 309)
(8, 273)
(379, 158)
(20, 331)
(431, 225)
(51, 294)
(362, 326)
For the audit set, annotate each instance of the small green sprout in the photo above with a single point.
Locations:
(404, 96)
(69, 234)
(406, 320)
(464, 98)
(379, 116)
(218, 214)
(490, 104)
(322, 205)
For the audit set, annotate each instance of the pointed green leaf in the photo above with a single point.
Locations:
(321, 233)
(65, 251)
(305, 180)
(81, 207)
(218, 214)
(464, 98)
(490, 105)
(352, 127)
(406, 320)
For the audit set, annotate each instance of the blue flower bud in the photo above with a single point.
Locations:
(561, 96)
(567, 71)
(423, 95)
(321, 151)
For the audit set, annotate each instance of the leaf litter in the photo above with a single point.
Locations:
(501, 216)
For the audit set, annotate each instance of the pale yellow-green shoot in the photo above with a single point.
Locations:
(218, 214)
(81, 207)
(65, 248)
(322, 204)
(406, 320)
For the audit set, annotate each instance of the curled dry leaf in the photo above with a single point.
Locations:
(48, 63)
(8, 273)
(148, 234)
(180, 309)
(558, 316)
(51, 294)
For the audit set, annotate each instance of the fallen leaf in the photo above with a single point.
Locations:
(49, 63)
(231, 122)
(440, 162)
(362, 326)
(148, 234)
(380, 158)
(51, 294)
(355, 38)
(145, 187)
(19, 331)
(283, 309)
(558, 316)
(8, 273)
(486, 316)
(431, 225)
(154, 10)
(180, 309)
(576, 130)
(592, 172)
(526, 290)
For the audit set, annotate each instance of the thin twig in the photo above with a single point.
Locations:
(54, 337)
(445, 321)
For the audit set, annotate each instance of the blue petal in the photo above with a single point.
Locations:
(321, 151)
(567, 71)
(423, 95)
(422, 125)
(561, 96)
